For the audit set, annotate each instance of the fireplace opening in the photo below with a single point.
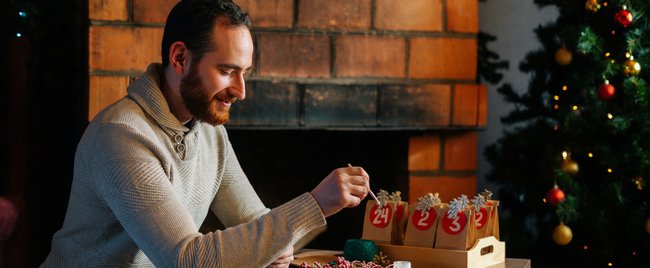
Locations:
(282, 164)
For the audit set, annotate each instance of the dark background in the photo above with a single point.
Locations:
(284, 164)
(43, 77)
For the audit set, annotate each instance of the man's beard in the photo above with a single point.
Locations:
(200, 103)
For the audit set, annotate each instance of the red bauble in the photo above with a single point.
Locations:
(624, 17)
(555, 196)
(606, 91)
(8, 217)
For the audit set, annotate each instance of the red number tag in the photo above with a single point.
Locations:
(424, 220)
(456, 225)
(380, 217)
(481, 218)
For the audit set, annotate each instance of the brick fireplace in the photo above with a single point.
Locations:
(388, 85)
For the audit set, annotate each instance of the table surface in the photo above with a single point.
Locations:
(325, 256)
(513, 263)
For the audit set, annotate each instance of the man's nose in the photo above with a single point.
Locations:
(239, 87)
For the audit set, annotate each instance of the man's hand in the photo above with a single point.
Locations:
(284, 260)
(344, 187)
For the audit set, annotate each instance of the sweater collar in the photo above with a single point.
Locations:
(145, 91)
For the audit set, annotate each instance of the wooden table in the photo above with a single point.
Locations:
(487, 252)
(513, 263)
(322, 256)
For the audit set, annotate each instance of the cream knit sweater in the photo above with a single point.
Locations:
(143, 184)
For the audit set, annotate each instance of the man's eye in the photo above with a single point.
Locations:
(226, 72)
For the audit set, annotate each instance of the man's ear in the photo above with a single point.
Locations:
(179, 57)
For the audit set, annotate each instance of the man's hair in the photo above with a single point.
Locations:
(192, 22)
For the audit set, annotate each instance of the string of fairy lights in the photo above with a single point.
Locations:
(623, 17)
(23, 16)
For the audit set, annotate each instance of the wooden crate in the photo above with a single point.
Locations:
(486, 252)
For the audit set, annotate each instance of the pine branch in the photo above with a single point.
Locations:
(489, 63)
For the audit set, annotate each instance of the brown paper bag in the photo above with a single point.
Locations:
(493, 220)
(378, 222)
(399, 222)
(482, 220)
(421, 226)
(457, 233)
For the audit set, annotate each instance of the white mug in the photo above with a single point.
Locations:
(402, 264)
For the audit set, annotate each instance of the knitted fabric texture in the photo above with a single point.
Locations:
(144, 183)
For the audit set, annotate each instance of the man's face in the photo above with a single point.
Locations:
(217, 80)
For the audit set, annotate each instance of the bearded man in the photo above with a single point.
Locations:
(151, 166)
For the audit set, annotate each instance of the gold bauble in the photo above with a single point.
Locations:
(563, 56)
(631, 67)
(592, 5)
(570, 166)
(639, 182)
(562, 234)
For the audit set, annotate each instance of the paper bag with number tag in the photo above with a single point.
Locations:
(421, 227)
(378, 222)
(493, 220)
(483, 220)
(423, 220)
(399, 222)
(482, 213)
(457, 232)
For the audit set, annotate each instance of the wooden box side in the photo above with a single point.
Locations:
(486, 252)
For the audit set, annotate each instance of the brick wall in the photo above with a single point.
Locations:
(353, 64)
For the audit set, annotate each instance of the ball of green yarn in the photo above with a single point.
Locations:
(360, 250)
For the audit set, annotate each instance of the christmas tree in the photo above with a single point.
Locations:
(573, 166)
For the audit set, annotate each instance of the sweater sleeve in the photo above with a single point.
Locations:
(148, 209)
(236, 201)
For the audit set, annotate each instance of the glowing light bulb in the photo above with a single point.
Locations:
(607, 54)
(609, 170)
(22, 14)
(556, 97)
(565, 88)
(19, 35)
(565, 154)
(610, 116)
(575, 107)
(590, 155)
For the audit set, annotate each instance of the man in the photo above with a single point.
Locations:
(150, 167)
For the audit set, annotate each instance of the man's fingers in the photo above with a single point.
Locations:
(353, 201)
(358, 171)
(343, 187)
(359, 191)
(282, 262)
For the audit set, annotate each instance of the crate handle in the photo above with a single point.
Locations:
(487, 250)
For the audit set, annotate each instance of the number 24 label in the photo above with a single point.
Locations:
(380, 217)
